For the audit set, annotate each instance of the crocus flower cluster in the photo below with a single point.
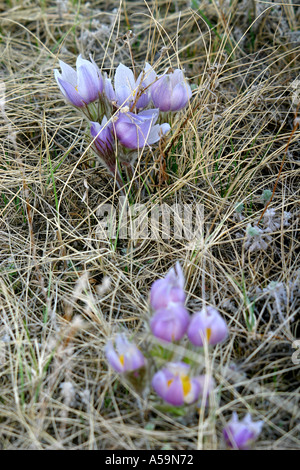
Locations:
(178, 383)
(167, 297)
(125, 114)
(171, 320)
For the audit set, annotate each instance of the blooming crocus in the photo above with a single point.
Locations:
(167, 290)
(174, 384)
(126, 357)
(103, 142)
(82, 86)
(171, 92)
(130, 91)
(241, 434)
(134, 131)
(207, 325)
(170, 324)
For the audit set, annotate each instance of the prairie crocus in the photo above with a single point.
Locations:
(168, 290)
(170, 324)
(207, 325)
(174, 385)
(103, 144)
(126, 357)
(171, 92)
(131, 92)
(241, 434)
(82, 86)
(135, 131)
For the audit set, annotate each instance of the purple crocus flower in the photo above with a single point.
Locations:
(170, 324)
(126, 357)
(171, 92)
(174, 385)
(103, 142)
(241, 434)
(82, 86)
(126, 87)
(102, 133)
(168, 290)
(207, 325)
(134, 131)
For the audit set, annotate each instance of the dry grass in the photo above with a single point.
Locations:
(227, 149)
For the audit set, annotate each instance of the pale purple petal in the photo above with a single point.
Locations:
(171, 92)
(170, 324)
(161, 93)
(70, 93)
(124, 76)
(108, 89)
(157, 132)
(179, 97)
(124, 95)
(169, 289)
(174, 394)
(209, 324)
(88, 83)
(68, 73)
(113, 358)
(176, 77)
(133, 359)
(241, 434)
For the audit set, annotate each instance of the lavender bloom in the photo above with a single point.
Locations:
(171, 92)
(103, 135)
(174, 385)
(103, 143)
(170, 324)
(127, 87)
(126, 358)
(82, 86)
(108, 89)
(134, 131)
(207, 325)
(168, 290)
(241, 434)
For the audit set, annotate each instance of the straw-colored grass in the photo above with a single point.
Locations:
(64, 292)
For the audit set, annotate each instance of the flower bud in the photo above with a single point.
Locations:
(170, 324)
(126, 357)
(207, 325)
(171, 92)
(82, 86)
(135, 131)
(168, 290)
(174, 385)
(241, 434)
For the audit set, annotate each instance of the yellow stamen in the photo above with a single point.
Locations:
(170, 382)
(208, 334)
(121, 359)
(186, 385)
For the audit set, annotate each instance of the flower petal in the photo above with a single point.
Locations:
(70, 92)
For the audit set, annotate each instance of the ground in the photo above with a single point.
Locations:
(65, 289)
